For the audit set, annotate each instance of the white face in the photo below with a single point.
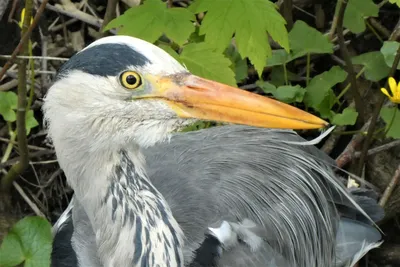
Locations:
(90, 103)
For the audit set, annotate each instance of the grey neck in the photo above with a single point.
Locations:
(134, 225)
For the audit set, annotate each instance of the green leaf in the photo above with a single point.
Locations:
(29, 240)
(249, 21)
(326, 105)
(278, 57)
(267, 87)
(347, 117)
(11, 253)
(289, 93)
(239, 65)
(389, 51)
(195, 37)
(241, 70)
(285, 93)
(30, 121)
(277, 76)
(153, 19)
(320, 86)
(355, 13)
(169, 50)
(204, 61)
(8, 102)
(305, 39)
(374, 63)
(397, 2)
(387, 114)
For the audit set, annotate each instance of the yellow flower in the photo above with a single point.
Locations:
(394, 89)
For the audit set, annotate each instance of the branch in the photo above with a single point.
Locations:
(71, 11)
(349, 66)
(33, 206)
(18, 168)
(332, 30)
(330, 143)
(26, 34)
(170, 3)
(389, 189)
(381, 148)
(375, 116)
(110, 14)
(348, 154)
(288, 13)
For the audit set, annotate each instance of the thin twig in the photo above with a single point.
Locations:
(25, 37)
(12, 11)
(5, 140)
(12, 74)
(288, 13)
(44, 162)
(110, 14)
(37, 57)
(45, 39)
(170, 3)
(61, 25)
(379, 149)
(389, 189)
(330, 143)
(31, 155)
(377, 25)
(348, 154)
(349, 65)
(334, 21)
(73, 12)
(381, 4)
(7, 180)
(30, 203)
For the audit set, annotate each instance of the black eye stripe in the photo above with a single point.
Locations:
(104, 60)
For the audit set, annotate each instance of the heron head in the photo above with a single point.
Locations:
(127, 90)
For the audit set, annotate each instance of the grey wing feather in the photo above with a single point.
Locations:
(235, 172)
(63, 255)
(353, 240)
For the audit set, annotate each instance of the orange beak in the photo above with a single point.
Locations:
(193, 97)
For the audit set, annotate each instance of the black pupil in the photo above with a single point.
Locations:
(131, 79)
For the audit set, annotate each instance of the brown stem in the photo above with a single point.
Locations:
(332, 30)
(24, 39)
(109, 15)
(349, 66)
(377, 25)
(288, 13)
(379, 149)
(330, 143)
(18, 168)
(374, 117)
(348, 154)
(12, 11)
(169, 3)
(389, 189)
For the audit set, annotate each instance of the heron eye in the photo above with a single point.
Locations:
(130, 80)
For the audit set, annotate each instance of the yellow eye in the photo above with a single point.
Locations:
(130, 79)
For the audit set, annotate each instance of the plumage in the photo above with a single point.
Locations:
(144, 197)
(231, 173)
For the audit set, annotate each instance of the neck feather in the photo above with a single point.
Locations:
(149, 234)
(132, 221)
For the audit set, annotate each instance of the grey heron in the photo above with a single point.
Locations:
(144, 195)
